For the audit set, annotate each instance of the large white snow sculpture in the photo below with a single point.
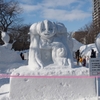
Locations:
(49, 45)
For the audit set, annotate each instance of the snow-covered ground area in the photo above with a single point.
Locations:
(10, 61)
(52, 88)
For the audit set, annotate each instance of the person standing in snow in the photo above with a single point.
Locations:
(84, 61)
(22, 55)
(93, 54)
(77, 56)
(80, 60)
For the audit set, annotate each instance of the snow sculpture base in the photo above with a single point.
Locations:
(47, 88)
(52, 88)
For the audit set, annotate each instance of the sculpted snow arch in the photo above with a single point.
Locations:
(48, 45)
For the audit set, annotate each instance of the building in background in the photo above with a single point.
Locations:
(96, 16)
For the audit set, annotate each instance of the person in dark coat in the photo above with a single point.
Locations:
(22, 55)
(93, 54)
(84, 61)
(77, 56)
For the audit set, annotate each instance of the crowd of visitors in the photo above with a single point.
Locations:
(83, 60)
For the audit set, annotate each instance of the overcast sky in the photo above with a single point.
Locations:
(73, 13)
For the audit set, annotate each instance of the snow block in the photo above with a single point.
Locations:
(52, 88)
(8, 56)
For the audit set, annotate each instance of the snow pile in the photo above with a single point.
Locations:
(10, 60)
(86, 49)
(4, 92)
(8, 56)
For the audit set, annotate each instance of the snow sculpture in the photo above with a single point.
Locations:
(5, 38)
(49, 45)
(6, 54)
(97, 43)
(70, 40)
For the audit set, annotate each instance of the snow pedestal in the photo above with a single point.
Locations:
(52, 88)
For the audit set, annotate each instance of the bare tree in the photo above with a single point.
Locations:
(86, 34)
(9, 11)
(19, 32)
(20, 37)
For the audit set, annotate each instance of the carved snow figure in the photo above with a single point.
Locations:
(48, 45)
(5, 37)
(59, 54)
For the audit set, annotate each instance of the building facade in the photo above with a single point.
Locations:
(96, 16)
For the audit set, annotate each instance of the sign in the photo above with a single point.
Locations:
(94, 70)
(94, 67)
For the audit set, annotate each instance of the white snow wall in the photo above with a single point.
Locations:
(52, 88)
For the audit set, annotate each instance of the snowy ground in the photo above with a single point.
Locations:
(5, 86)
(10, 66)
